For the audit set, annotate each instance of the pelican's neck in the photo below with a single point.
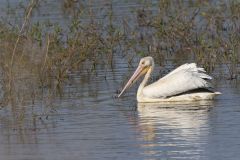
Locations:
(145, 80)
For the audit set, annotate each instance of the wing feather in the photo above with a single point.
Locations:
(184, 78)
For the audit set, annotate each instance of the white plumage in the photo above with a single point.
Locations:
(183, 83)
(182, 79)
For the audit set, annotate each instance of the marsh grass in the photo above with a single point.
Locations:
(207, 33)
(37, 57)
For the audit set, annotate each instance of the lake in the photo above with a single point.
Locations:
(88, 122)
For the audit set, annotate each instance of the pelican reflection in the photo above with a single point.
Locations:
(174, 129)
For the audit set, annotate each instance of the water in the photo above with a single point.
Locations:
(89, 123)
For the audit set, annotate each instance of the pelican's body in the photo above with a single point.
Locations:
(185, 83)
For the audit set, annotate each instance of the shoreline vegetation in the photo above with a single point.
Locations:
(37, 56)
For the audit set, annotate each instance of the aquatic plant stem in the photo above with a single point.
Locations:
(46, 54)
(26, 18)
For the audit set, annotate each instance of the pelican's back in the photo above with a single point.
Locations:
(185, 78)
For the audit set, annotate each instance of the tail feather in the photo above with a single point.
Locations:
(204, 76)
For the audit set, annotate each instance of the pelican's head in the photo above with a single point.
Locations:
(144, 65)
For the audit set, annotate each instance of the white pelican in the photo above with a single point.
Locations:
(185, 83)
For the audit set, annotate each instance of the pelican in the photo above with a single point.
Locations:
(186, 83)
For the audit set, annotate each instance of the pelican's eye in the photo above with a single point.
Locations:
(143, 62)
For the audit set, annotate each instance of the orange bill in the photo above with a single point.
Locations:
(141, 70)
